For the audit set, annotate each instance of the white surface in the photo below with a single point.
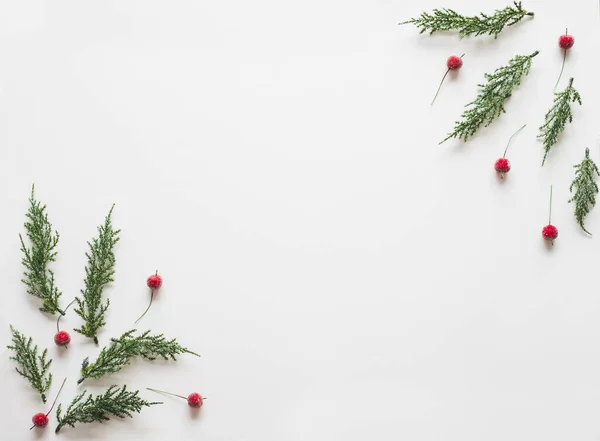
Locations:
(342, 275)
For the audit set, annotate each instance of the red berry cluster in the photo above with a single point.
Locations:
(154, 281)
(566, 41)
(40, 420)
(550, 232)
(454, 63)
(62, 338)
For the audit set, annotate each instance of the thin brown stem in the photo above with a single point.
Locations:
(510, 139)
(58, 319)
(166, 393)
(440, 86)
(149, 305)
(561, 69)
(550, 210)
(55, 399)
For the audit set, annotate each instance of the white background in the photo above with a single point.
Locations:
(342, 275)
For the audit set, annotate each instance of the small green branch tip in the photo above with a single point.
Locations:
(114, 402)
(122, 350)
(32, 365)
(38, 254)
(489, 102)
(586, 189)
(555, 120)
(99, 272)
(483, 24)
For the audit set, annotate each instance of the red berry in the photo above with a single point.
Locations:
(454, 62)
(40, 420)
(566, 41)
(154, 281)
(194, 399)
(550, 232)
(502, 165)
(62, 338)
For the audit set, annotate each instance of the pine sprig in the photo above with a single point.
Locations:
(557, 117)
(586, 189)
(489, 103)
(32, 366)
(448, 20)
(121, 351)
(38, 278)
(117, 402)
(99, 272)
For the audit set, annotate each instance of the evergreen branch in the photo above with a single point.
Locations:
(586, 189)
(557, 117)
(38, 278)
(489, 103)
(32, 366)
(121, 351)
(448, 19)
(118, 402)
(99, 272)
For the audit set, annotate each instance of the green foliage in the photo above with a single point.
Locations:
(557, 117)
(489, 103)
(122, 350)
(32, 366)
(37, 276)
(118, 402)
(99, 272)
(586, 188)
(448, 19)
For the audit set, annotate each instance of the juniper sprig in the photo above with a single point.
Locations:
(99, 272)
(557, 117)
(32, 366)
(122, 350)
(447, 20)
(118, 402)
(38, 278)
(586, 189)
(489, 103)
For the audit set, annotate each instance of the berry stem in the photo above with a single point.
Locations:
(149, 305)
(442, 82)
(166, 393)
(56, 399)
(510, 139)
(440, 86)
(59, 391)
(58, 319)
(563, 63)
(550, 211)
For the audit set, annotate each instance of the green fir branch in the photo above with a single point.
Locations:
(38, 278)
(449, 20)
(99, 272)
(115, 402)
(121, 351)
(557, 117)
(32, 366)
(489, 103)
(586, 189)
